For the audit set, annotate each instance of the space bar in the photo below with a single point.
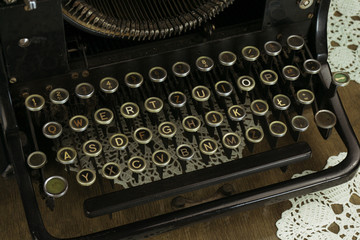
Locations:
(130, 197)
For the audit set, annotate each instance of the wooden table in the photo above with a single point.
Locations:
(253, 224)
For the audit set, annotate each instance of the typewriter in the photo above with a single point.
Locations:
(110, 107)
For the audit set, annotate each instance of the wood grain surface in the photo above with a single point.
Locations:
(67, 220)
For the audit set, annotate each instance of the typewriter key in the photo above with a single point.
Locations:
(204, 64)
(181, 69)
(79, 123)
(272, 48)
(109, 85)
(129, 110)
(191, 124)
(134, 79)
(66, 155)
(305, 96)
(208, 146)
(185, 152)
(291, 73)
(59, 96)
(223, 88)
(86, 177)
(92, 148)
(236, 113)
(299, 123)
(201, 93)
(167, 129)
(84, 90)
(341, 79)
(281, 102)
(161, 158)
(268, 77)
(157, 74)
(254, 134)
(312, 66)
(325, 119)
(246, 83)
(277, 129)
(52, 130)
(227, 58)
(36, 160)
(250, 53)
(177, 99)
(214, 118)
(119, 141)
(55, 186)
(295, 42)
(34, 102)
(153, 104)
(231, 140)
(103, 116)
(259, 107)
(143, 135)
(111, 170)
(137, 164)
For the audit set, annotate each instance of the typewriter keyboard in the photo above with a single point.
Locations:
(153, 126)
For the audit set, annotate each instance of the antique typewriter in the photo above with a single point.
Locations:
(110, 106)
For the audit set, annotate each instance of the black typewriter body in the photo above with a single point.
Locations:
(41, 52)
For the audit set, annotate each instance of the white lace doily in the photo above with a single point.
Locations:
(344, 37)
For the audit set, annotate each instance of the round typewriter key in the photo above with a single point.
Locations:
(208, 146)
(55, 186)
(236, 113)
(92, 148)
(231, 140)
(66, 155)
(305, 96)
(185, 152)
(277, 129)
(161, 158)
(223, 88)
(134, 79)
(109, 85)
(119, 141)
(177, 99)
(325, 119)
(153, 104)
(86, 177)
(143, 135)
(191, 124)
(272, 48)
(341, 79)
(300, 123)
(281, 102)
(52, 130)
(157, 74)
(201, 93)
(36, 160)
(204, 64)
(103, 116)
(167, 129)
(59, 96)
(259, 107)
(312, 66)
(214, 118)
(79, 123)
(84, 90)
(227, 58)
(137, 164)
(295, 42)
(181, 69)
(250, 53)
(129, 110)
(34, 102)
(254, 134)
(111, 170)
(291, 73)
(246, 83)
(269, 77)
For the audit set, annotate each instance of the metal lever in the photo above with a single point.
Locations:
(30, 5)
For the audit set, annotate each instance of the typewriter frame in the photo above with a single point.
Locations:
(241, 201)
